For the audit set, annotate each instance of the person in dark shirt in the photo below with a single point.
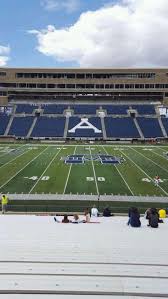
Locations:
(64, 220)
(134, 217)
(107, 212)
(153, 218)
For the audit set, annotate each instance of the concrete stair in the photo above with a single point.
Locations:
(10, 121)
(66, 127)
(138, 128)
(162, 127)
(103, 128)
(32, 127)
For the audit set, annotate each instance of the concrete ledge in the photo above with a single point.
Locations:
(77, 197)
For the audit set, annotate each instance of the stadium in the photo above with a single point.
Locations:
(97, 134)
(83, 149)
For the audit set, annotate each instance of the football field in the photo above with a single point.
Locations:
(31, 168)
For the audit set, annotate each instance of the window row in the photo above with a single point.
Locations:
(85, 75)
(2, 74)
(84, 86)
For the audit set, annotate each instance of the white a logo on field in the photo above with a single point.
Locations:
(84, 124)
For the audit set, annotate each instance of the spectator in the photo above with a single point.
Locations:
(147, 213)
(65, 219)
(4, 203)
(107, 212)
(162, 213)
(154, 218)
(87, 214)
(94, 211)
(134, 217)
(77, 220)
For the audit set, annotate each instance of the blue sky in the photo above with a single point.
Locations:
(84, 33)
(19, 16)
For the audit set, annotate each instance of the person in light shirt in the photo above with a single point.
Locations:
(94, 211)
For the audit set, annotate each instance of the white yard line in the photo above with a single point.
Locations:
(97, 189)
(120, 175)
(150, 160)
(66, 183)
(44, 171)
(14, 158)
(23, 168)
(143, 171)
(159, 154)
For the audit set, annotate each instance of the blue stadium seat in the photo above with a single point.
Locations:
(20, 126)
(121, 127)
(144, 109)
(116, 109)
(4, 119)
(85, 109)
(150, 127)
(25, 108)
(95, 121)
(54, 109)
(165, 124)
(49, 127)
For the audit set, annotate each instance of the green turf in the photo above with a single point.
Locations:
(27, 167)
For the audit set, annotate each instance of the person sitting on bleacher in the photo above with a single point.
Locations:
(153, 218)
(87, 214)
(107, 212)
(162, 213)
(64, 220)
(134, 217)
(94, 212)
(77, 220)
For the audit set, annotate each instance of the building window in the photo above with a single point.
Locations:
(129, 86)
(80, 85)
(80, 76)
(22, 85)
(31, 85)
(41, 85)
(49, 85)
(119, 86)
(2, 74)
(60, 85)
(70, 86)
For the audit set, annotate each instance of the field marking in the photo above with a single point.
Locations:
(23, 168)
(44, 171)
(7, 153)
(66, 183)
(121, 175)
(144, 172)
(150, 160)
(14, 158)
(160, 155)
(97, 189)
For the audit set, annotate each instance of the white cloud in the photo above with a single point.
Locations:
(4, 52)
(68, 5)
(132, 33)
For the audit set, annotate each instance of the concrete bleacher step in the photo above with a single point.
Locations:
(66, 127)
(32, 127)
(138, 128)
(9, 125)
(10, 121)
(162, 127)
(94, 260)
(103, 128)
